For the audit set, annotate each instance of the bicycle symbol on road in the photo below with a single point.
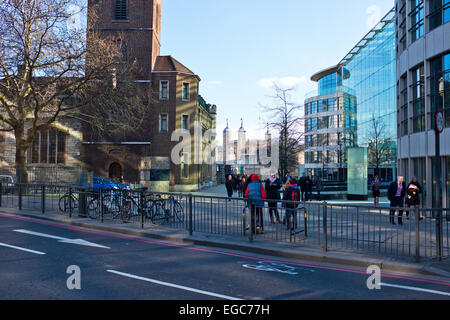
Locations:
(273, 267)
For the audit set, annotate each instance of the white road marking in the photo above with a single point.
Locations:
(415, 289)
(80, 242)
(167, 284)
(19, 248)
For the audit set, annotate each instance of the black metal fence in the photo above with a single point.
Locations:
(418, 233)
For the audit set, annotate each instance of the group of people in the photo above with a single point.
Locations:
(400, 195)
(290, 188)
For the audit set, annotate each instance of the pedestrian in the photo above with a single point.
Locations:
(229, 184)
(273, 186)
(376, 191)
(318, 185)
(302, 185)
(396, 195)
(413, 191)
(256, 194)
(308, 188)
(291, 195)
(286, 178)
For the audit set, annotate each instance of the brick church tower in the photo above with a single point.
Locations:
(145, 158)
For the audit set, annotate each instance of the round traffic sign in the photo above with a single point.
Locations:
(440, 122)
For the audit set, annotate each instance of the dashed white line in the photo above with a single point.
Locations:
(415, 289)
(20, 248)
(167, 284)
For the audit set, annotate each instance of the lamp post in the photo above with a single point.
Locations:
(439, 128)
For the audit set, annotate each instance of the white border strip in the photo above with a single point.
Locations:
(415, 289)
(212, 294)
(19, 248)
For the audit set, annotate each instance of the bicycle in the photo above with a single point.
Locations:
(118, 203)
(67, 198)
(164, 210)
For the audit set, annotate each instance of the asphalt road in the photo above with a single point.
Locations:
(35, 256)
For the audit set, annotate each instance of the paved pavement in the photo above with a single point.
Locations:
(43, 259)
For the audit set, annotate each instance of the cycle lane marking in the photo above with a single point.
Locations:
(172, 285)
(383, 284)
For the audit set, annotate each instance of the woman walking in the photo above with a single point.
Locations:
(230, 186)
(376, 191)
(273, 186)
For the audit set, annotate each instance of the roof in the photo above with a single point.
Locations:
(170, 64)
(319, 75)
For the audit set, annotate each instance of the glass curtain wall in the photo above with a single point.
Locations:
(371, 74)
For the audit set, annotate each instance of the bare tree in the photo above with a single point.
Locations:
(51, 71)
(284, 117)
(380, 150)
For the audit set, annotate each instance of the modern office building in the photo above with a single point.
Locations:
(423, 87)
(330, 125)
(355, 105)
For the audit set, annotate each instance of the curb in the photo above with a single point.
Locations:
(332, 258)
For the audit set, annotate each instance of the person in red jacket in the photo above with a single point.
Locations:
(256, 194)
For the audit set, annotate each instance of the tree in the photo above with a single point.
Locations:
(380, 150)
(52, 71)
(285, 119)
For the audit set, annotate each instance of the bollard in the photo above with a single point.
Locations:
(141, 207)
(1, 193)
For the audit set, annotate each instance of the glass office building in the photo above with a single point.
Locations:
(355, 105)
(371, 74)
(330, 125)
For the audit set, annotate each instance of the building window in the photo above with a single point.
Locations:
(49, 146)
(184, 165)
(185, 122)
(418, 88)
(439, 13)
(404, 106)
(185, 91)
(120, 10)
(417, 19)
(163, 123)
(164, 90)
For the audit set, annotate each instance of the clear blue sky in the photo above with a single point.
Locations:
(238, 46)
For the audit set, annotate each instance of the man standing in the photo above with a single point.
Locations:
(396, 195)
(256, 194)
(286, 178)
(308, 188)
(230, 186)
(302, 185)
(318, 185)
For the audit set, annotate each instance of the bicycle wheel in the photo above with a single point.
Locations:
(64, 203)
(110, 206)
(178, 211)
(156, 212)
(94, 209)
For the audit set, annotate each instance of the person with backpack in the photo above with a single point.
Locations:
(376, 191)
(256, 194)
(291, 194)
(413, 191)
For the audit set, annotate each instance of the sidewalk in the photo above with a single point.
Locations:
(221, 191)
(432, 268)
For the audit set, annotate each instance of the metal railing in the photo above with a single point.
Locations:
(420, 233)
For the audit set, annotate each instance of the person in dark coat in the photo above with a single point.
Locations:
(413, 192)
(229, 184)
(396, 195)
(291, 194)
(256, 194)
(308, 188)
(318, 186)
(302, 185)
(273, 186)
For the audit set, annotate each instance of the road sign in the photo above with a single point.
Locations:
(440, 122)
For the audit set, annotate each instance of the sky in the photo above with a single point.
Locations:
(239, 48)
